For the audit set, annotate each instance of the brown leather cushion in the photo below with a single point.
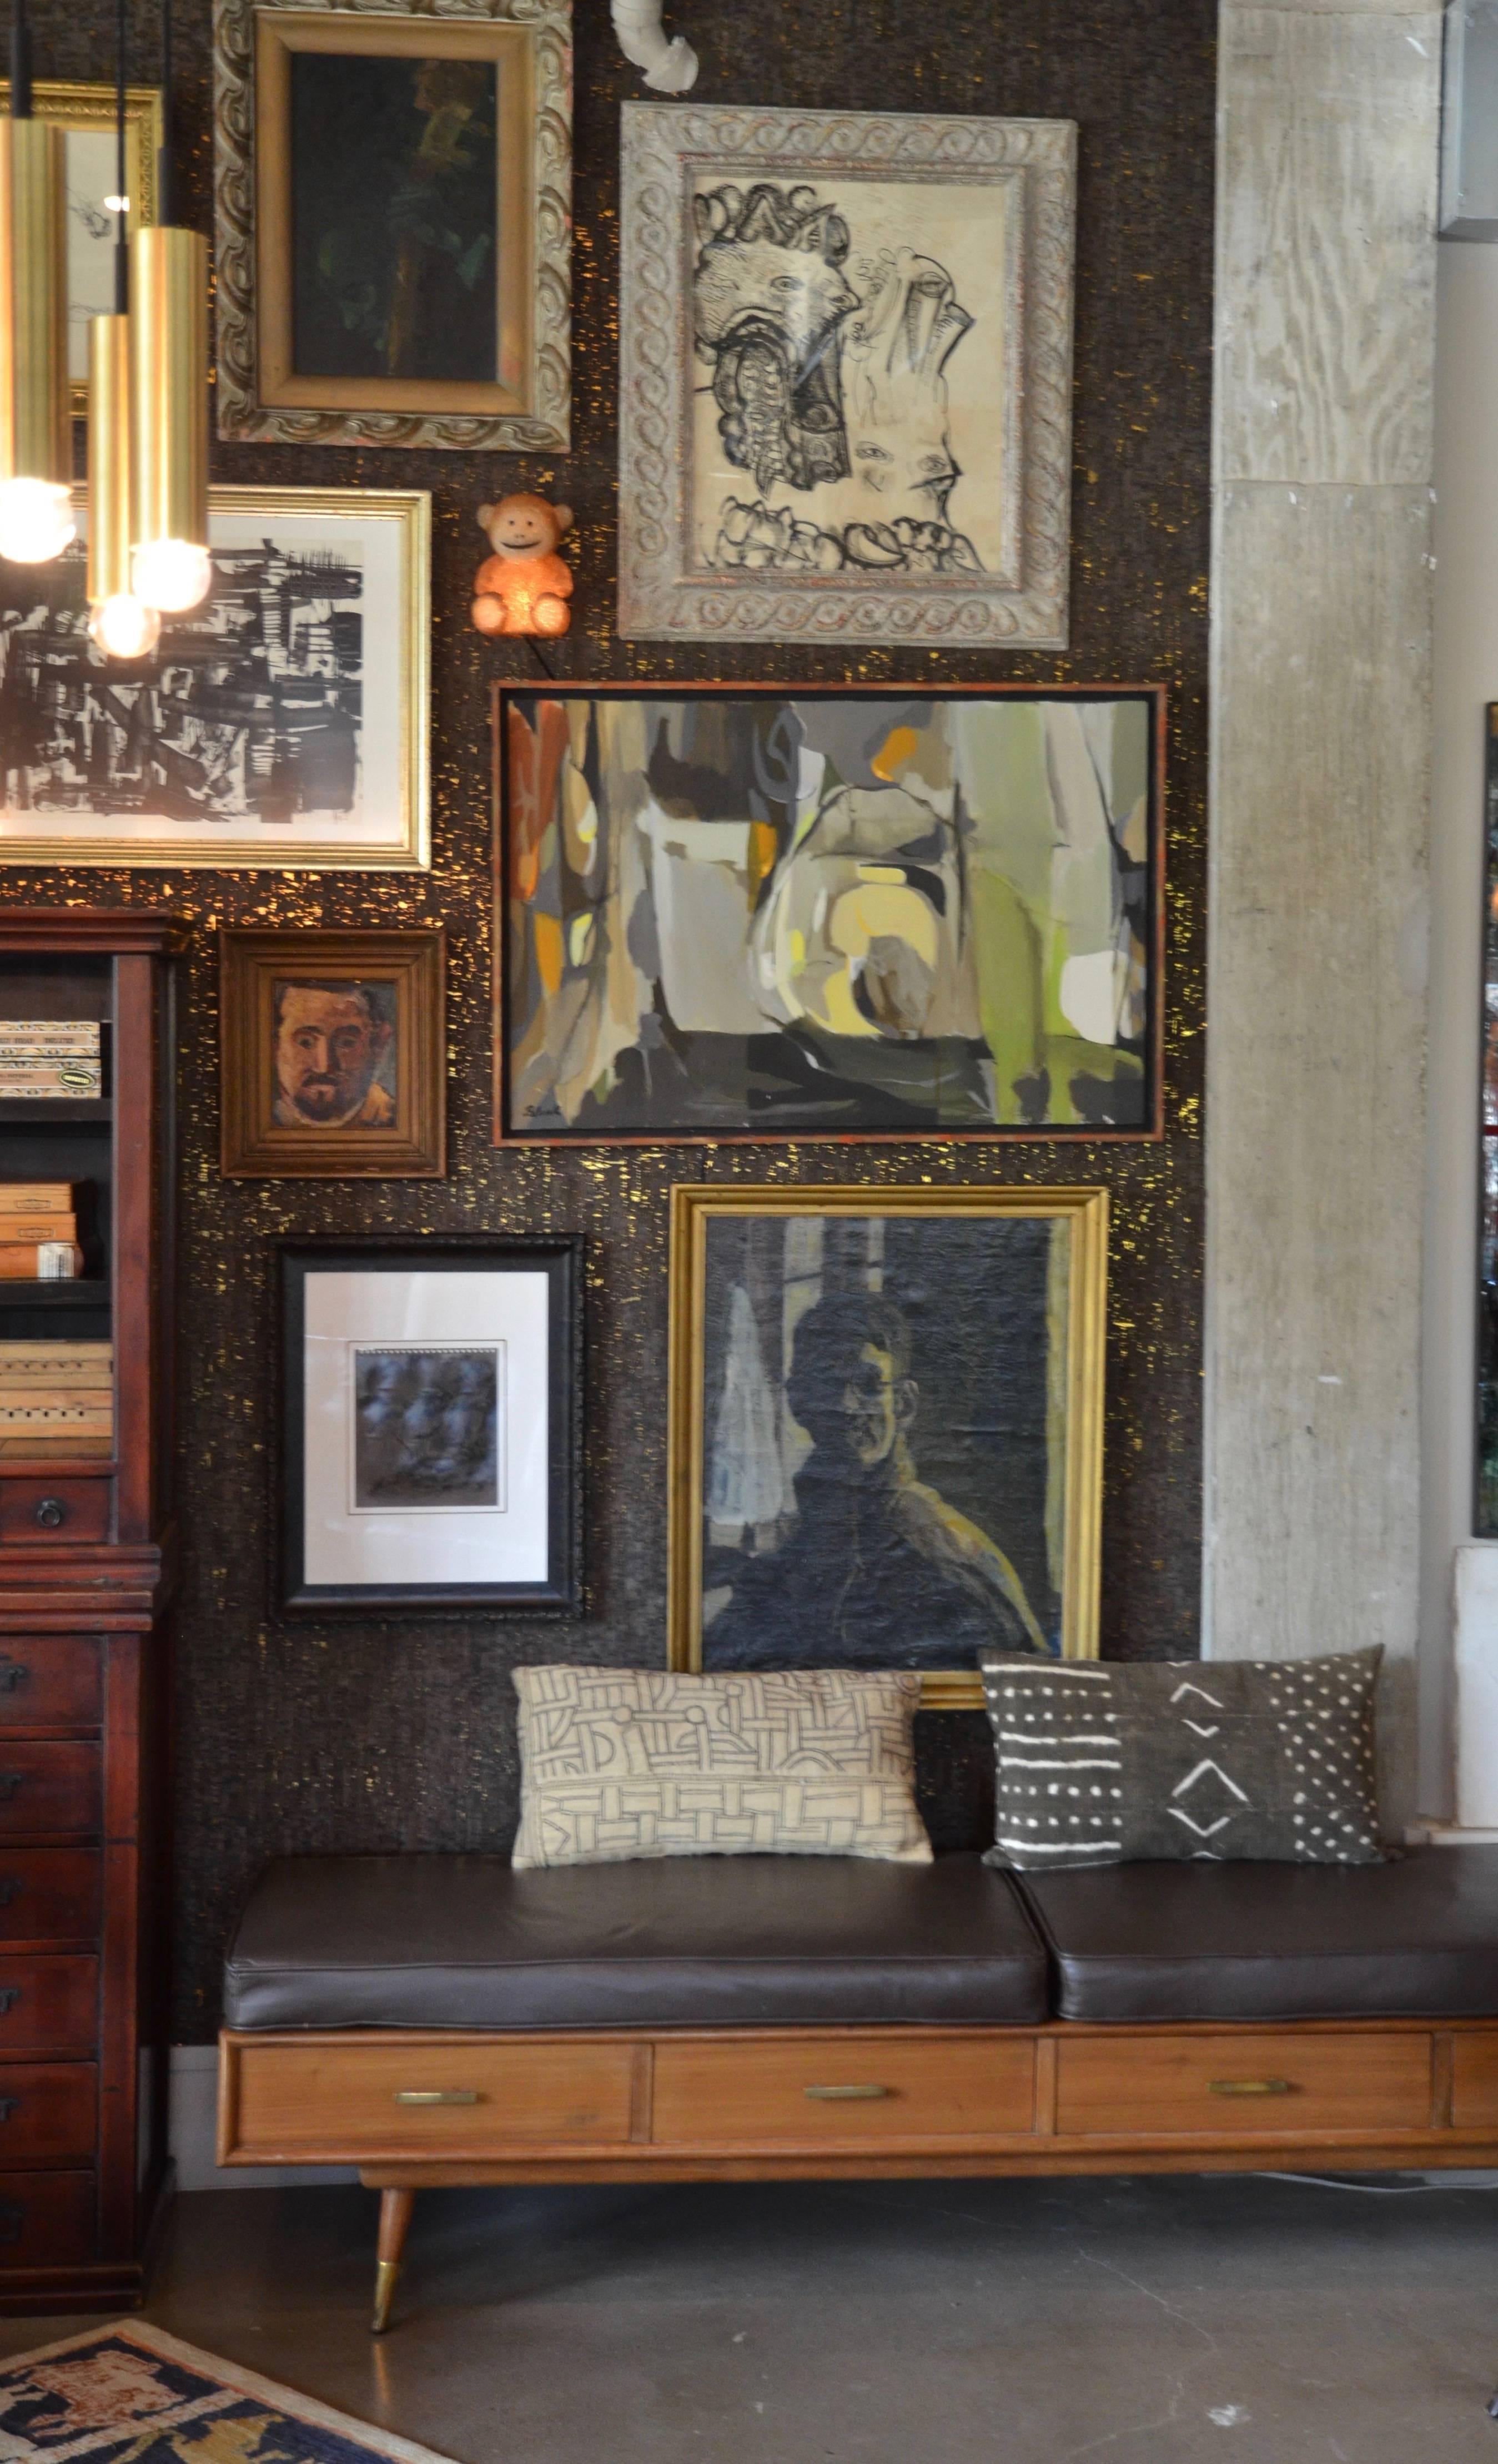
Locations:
(1414, 1937)
(463, 1942)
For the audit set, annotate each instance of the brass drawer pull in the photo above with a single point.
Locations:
(1250, 2087)
(436, 2095)
(860, 2095)
(12, 1673)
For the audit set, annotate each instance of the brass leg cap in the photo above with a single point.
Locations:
(386, 2271)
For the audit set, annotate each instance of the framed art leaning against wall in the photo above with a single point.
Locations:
(886, 1431)
(394, 229)
(835, 911)
(431, 1425)
(844, 397)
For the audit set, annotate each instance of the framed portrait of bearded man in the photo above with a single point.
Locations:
(333, 1055)
(885, 1428)
(845, 377)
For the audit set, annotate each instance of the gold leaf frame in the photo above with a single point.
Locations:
(1085, 1209)
(90, 111)
(409, 509)
(259, 395)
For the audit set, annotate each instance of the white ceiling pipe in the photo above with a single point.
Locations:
(670, 67)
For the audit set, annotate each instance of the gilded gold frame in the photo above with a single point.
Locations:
(410, 508)
(90, 109)
(694, 1208)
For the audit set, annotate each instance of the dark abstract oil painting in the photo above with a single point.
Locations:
(728, 911)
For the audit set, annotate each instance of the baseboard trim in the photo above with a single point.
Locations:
(195, 2135)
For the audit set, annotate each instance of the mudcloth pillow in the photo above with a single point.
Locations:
(1103, 1762)
(619, 1762)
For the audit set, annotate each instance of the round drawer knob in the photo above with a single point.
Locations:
(52, 1514)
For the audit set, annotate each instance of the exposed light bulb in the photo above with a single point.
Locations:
(171, 574)
(124, 626)
(35, 520)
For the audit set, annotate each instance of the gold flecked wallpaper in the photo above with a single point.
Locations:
(402, 1734)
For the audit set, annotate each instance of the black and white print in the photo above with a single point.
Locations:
(853, 377)
(426, 1423)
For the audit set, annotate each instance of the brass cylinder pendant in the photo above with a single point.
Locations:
(35, 413)
(168, 415)
(109, 540)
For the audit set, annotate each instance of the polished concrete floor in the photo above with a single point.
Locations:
(908, 2322)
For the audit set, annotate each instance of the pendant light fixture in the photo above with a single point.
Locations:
(36, 417)
(169, 394)
(122, 626)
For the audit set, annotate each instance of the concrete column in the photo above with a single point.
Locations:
(1329, 120)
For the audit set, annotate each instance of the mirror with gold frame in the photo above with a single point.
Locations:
(86, 116)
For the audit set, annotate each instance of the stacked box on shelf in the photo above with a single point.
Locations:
(56, 1398)
(38, 1232)
(46, 1059)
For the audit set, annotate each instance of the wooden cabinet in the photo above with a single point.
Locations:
(86, 1539)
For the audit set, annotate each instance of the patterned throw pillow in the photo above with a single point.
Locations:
(624, 1762)
(1103, 1762)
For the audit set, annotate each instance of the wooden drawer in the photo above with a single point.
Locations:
(351, 2100)
(50, 1894)
(1236, 2084)
(48, 1787)
(47, 2219)
(851, 2089)
(48, 2006)
(1474, 2082)
(49, 1682)
(49, 2113)
(70, 1513)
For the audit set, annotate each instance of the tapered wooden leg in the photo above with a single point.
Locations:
(395, 2220)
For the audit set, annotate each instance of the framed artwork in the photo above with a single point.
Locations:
(283, 722)
(86, 116)
(845, 377)
(432, 1420)
(885, 1428)
(836, 911)
(393, 196)
(333, 1055)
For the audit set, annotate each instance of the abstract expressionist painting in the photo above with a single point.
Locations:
(886, 1427)
(761, 912)
(846, 346)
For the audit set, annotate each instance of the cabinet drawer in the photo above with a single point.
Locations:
(850, 2090)
(70, 1513)
(47, 1788)
(47, 2219)
(49, 1682)
(358, 2101)
(1235, 2085)
(50, 1894)
(49, 2113)
(49, 2006)
(1474, 2082)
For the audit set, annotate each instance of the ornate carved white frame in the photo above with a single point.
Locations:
(661, 594)
(546, 426)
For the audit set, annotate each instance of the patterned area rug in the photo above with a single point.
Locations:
(133, 2395)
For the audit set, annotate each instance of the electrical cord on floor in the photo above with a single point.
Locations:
(1377, 2189)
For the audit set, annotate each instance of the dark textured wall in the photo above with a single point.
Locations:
(298, 1736)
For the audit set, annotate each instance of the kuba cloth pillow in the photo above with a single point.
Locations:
(1100, 1762)
(618, 1763)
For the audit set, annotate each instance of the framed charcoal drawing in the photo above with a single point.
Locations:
(333, 1055)
(86, 116)
(283, 722)
(885, 1428)
(432, 1418)
(394, 226)
(836, 911)
(845, 377)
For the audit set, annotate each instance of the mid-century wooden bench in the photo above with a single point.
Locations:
(441, 2019)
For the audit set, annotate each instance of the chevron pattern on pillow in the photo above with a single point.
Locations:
(619, 1763)
(1106, 1762)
